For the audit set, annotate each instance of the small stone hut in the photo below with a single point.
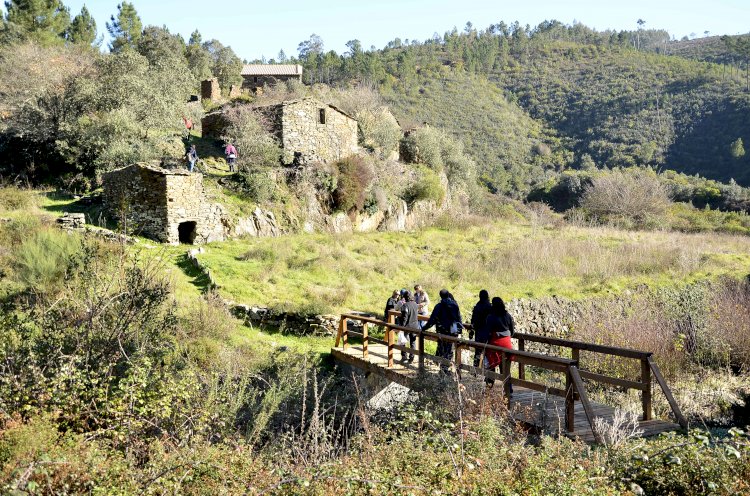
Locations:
(307, 129)
(167, 205)
(255, 76)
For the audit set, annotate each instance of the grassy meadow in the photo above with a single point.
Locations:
(358, 271)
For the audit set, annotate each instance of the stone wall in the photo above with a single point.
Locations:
(153, 202)
(314, 136)
(210, 90)
(214, 124)
(187, 202)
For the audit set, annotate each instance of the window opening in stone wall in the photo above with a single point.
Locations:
(255, 79)
(322, 116)
(187, 232)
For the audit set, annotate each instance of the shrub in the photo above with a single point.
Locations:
(354, 177)
(439, 152)
(258, 185)
(43, 259)
(631, 194)
(380, 131)
(13, 198)
(248, 129)
(427, 186)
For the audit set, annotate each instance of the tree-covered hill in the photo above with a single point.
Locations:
(609, 103)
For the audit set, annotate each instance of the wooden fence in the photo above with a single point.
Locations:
(574, 390)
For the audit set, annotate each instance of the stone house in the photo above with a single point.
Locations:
(167, 205)
(255, 76)
(307, 130)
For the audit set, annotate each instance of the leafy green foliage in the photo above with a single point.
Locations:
(737, 149)
(43, 259)
(83, 28)
(353, 180)
(43, 21)
(248, 130)
(426, 186)
(695, 464)
(124, 28)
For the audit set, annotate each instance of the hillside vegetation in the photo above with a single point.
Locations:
(358, 272)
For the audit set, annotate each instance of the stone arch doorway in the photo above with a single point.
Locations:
(187, 232)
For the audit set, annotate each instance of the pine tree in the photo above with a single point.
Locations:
(83, 28)
(737, 149)
(45, 21)
(125, 29)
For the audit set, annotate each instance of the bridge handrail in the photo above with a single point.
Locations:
(573, 390)
(465, 343)
(644, 384)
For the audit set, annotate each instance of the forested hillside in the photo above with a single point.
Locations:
(603, 99)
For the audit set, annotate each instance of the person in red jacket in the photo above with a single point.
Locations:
(500, 326)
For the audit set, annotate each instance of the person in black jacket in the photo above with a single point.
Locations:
(409, 314)
(446, 316)
(478, 323)
(391, 304)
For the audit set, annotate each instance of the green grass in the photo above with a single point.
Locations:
(358, 271)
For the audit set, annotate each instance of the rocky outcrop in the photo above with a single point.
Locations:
(262, 223)
(394, 218)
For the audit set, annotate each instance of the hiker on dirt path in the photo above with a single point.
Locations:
(192, 157)
(501, 328)
(231, 153)
(446, 316)
(479, 323)
(409, 313)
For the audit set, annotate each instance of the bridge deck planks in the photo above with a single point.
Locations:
(540, 411)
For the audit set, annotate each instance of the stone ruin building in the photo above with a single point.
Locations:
(255, 76)
(210, 90)
(307, 129)
(167, 205)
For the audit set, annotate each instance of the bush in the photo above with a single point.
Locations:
(354, 178)
(13, 198)
(440, 153)
(43, 259)
(258, 185)
(634, 194)
(249, 131)
(427, 186)
(380, 131)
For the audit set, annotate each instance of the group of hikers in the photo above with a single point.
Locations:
(230, 152)
(490, 324)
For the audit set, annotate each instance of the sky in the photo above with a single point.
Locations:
(261, 28)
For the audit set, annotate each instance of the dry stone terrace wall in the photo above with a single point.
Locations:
(319, 132)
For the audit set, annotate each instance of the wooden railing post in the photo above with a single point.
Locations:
(339, 333)
(575, 354)
(345, 332)
(570, 405)
(521, 365)
(646, 392)
(365, 340)
(668, 393)
(389, 339)
(505, 371)
(420, 338)
(458, 359)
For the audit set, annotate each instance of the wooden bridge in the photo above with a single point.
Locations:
(566, 410)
